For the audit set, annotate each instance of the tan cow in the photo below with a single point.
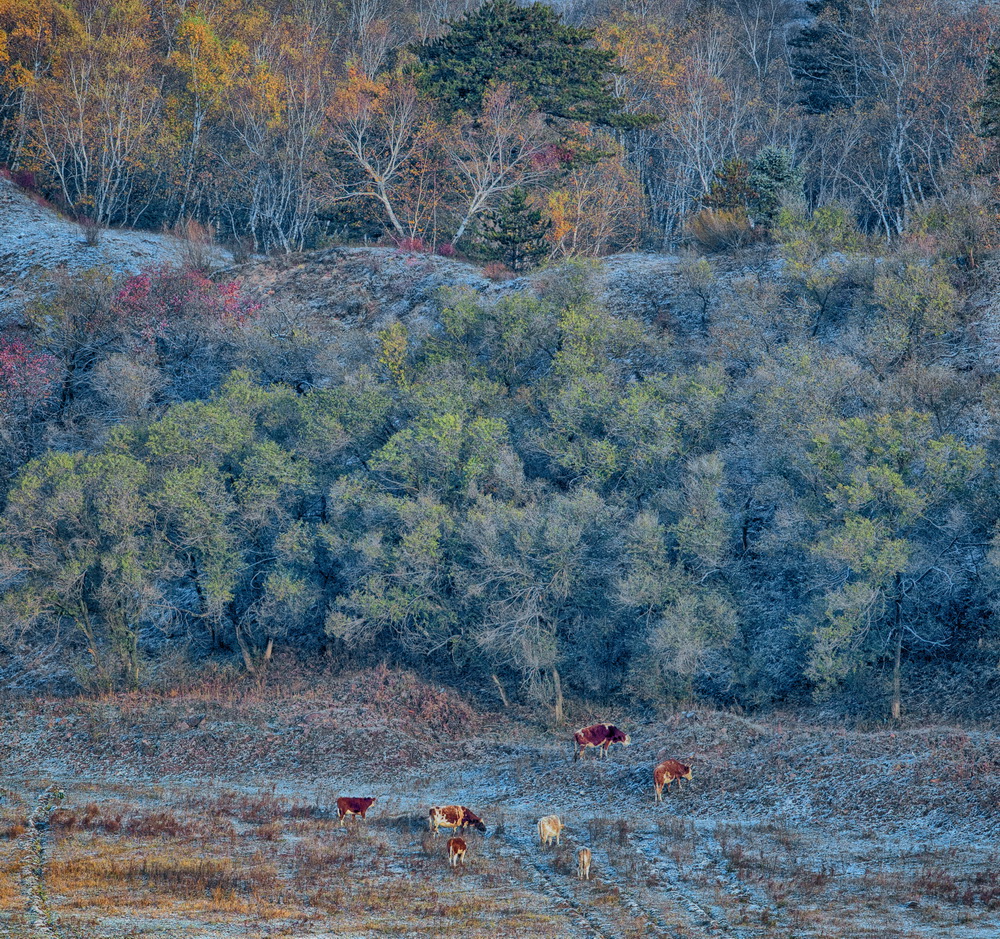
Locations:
(456, 851)
(549, 828)
(583, 859)
(453, 816)
(666, 773)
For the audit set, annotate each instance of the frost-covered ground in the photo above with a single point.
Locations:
(36, 243)
(212, 815)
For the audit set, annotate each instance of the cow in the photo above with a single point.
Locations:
(348, 806)
(549, 827)
(456, 851)
(453, 816)
(599, 735)
(666, 773)
(583, 859)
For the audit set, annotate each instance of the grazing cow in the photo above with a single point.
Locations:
(548, 828)
(599, 735)
(583, 859)
(666, 773)
(453, 816)
(347, 806)
(456, 851)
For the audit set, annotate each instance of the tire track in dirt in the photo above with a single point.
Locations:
(594, 921)
(713, 851)
(708, 920)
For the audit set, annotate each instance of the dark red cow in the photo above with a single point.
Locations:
(599, 735)
(453, 816)
(348, 806)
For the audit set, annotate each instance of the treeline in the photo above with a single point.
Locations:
(282, 125)
(760, 487)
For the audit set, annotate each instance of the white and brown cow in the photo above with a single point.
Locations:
(583, 859)
(456, 851)
(453, 816)
(666, 773)
(599, 735)
(549, 828)
(352, 806)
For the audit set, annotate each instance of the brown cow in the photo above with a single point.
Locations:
(583, 859)
(666, 773)
(453, 816)
(549, 829)
(348, 806)
(456, 851)
(599, 735)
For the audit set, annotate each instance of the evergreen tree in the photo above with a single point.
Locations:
(553, 65)
(773, 176)
(514, 233)
(989, 104)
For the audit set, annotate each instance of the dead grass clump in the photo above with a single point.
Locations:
(156, 824)
(14, 829)
(403, 695)
(598, 828)
(430, 844)
(313, 863)
(184, 877)
(565, 861)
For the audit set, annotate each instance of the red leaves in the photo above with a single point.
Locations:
(151, 300)
(26, 376)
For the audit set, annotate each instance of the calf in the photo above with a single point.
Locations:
(599, 735)
(583, 859)
(666, 773)
(453, 816)
(347, 806)
(549, 828)
(456, 851)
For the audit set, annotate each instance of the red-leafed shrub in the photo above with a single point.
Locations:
(446, 250)
(411, 244)
(26, 376)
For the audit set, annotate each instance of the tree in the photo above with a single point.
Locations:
(514, 233)
(892, 541)
(554, 66)
(81, 550)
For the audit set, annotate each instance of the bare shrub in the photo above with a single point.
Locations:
(90, 229)
(721, 229)
(197, 244)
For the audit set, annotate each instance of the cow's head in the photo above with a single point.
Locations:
(619, 736)
(687, 775)
(477, 823)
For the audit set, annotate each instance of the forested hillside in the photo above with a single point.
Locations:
(282, 125)
(758, 470)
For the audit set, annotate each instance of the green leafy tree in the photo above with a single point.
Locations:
(891, 541)
(80, 549)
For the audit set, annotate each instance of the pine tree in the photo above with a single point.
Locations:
(554, 65)
(514, 233)
(989, 104)
(773, 177)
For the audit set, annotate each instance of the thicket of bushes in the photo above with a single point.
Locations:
(782, 488)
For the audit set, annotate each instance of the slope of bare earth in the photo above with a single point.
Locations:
(211, 814)
(37, 243)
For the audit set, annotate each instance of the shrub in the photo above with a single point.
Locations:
(496, 270)
(721, 229)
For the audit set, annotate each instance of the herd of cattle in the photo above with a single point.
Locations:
(459, 818)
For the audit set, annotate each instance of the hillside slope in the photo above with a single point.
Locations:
(36, 243)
